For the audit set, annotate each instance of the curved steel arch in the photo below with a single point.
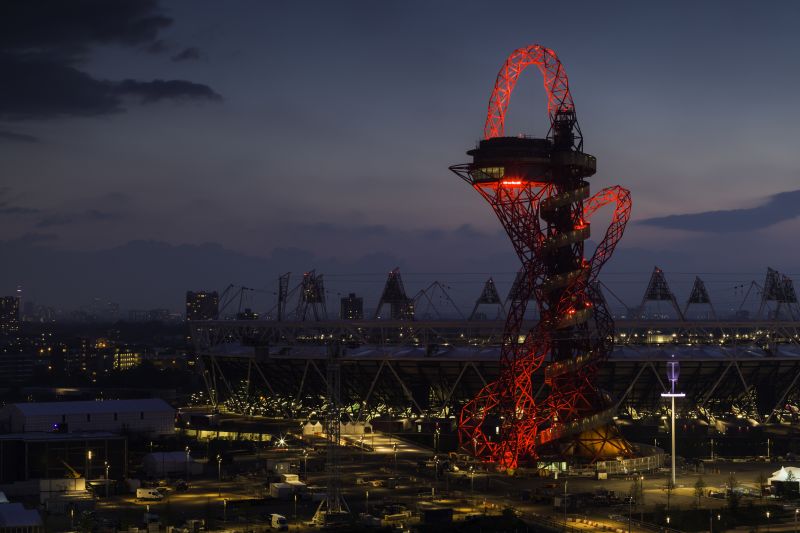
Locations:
(559, 99)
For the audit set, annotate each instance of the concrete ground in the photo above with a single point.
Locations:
(365, 486)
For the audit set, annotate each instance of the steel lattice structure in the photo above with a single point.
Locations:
(538, 190)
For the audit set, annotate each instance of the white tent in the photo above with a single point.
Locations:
(786, 473)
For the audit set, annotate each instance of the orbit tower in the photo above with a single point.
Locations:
(539, 191)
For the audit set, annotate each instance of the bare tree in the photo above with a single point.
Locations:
(761, 481)
(668, 488)
(699, 490)
(733, 494)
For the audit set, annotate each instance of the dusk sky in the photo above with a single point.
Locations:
(147, 147)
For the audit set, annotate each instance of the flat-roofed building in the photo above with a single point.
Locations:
(149, 416)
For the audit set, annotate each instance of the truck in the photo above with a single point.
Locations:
(279, 522)
(149, 495)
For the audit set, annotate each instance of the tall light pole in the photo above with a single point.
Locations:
(187, 463)
(88, 465)
(394, 448)
(630, 511)
(107, 467)
(472, 483)
(673, 370)
(219, 475)
(305, 466)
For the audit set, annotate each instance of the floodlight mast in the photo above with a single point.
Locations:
(538, 190)
(673, 371)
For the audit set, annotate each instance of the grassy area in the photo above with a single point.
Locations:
(749, 514)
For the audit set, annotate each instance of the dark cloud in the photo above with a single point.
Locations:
(72, 27)
(42, 88)
(11, 136)
(187, 54)
(44, 42)
(157, 47)
(156, 90)
(9, 208)
(16, 210)
(777, 208)
(31, 239)
(66, 219)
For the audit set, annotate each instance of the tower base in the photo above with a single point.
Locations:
(602, 443)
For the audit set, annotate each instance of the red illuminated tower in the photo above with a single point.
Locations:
(538, 190)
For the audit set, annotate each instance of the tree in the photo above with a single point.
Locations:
(733, 494)
(637, 493)
(761, 481)
(699, 490)
(668, 488)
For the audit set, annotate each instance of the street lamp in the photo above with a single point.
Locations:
(796, 511)
(641, 491)
(225, 510)
(667, 520)
(472, 482)
(367, 502)
(219, 475)
(305, 466)
(630, 511)
(89, 465)
(107, 467)
(187, 463)
(394, 448)
(673, 370)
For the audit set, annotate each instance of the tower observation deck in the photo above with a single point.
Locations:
(539, 191)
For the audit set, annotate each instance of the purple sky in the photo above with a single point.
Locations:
(319, 134)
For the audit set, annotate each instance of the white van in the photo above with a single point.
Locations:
(278, 522)
(149, 495)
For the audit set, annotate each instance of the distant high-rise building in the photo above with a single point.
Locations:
(352, 307)
(202, 305)
(9, 314)
(247, 314)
